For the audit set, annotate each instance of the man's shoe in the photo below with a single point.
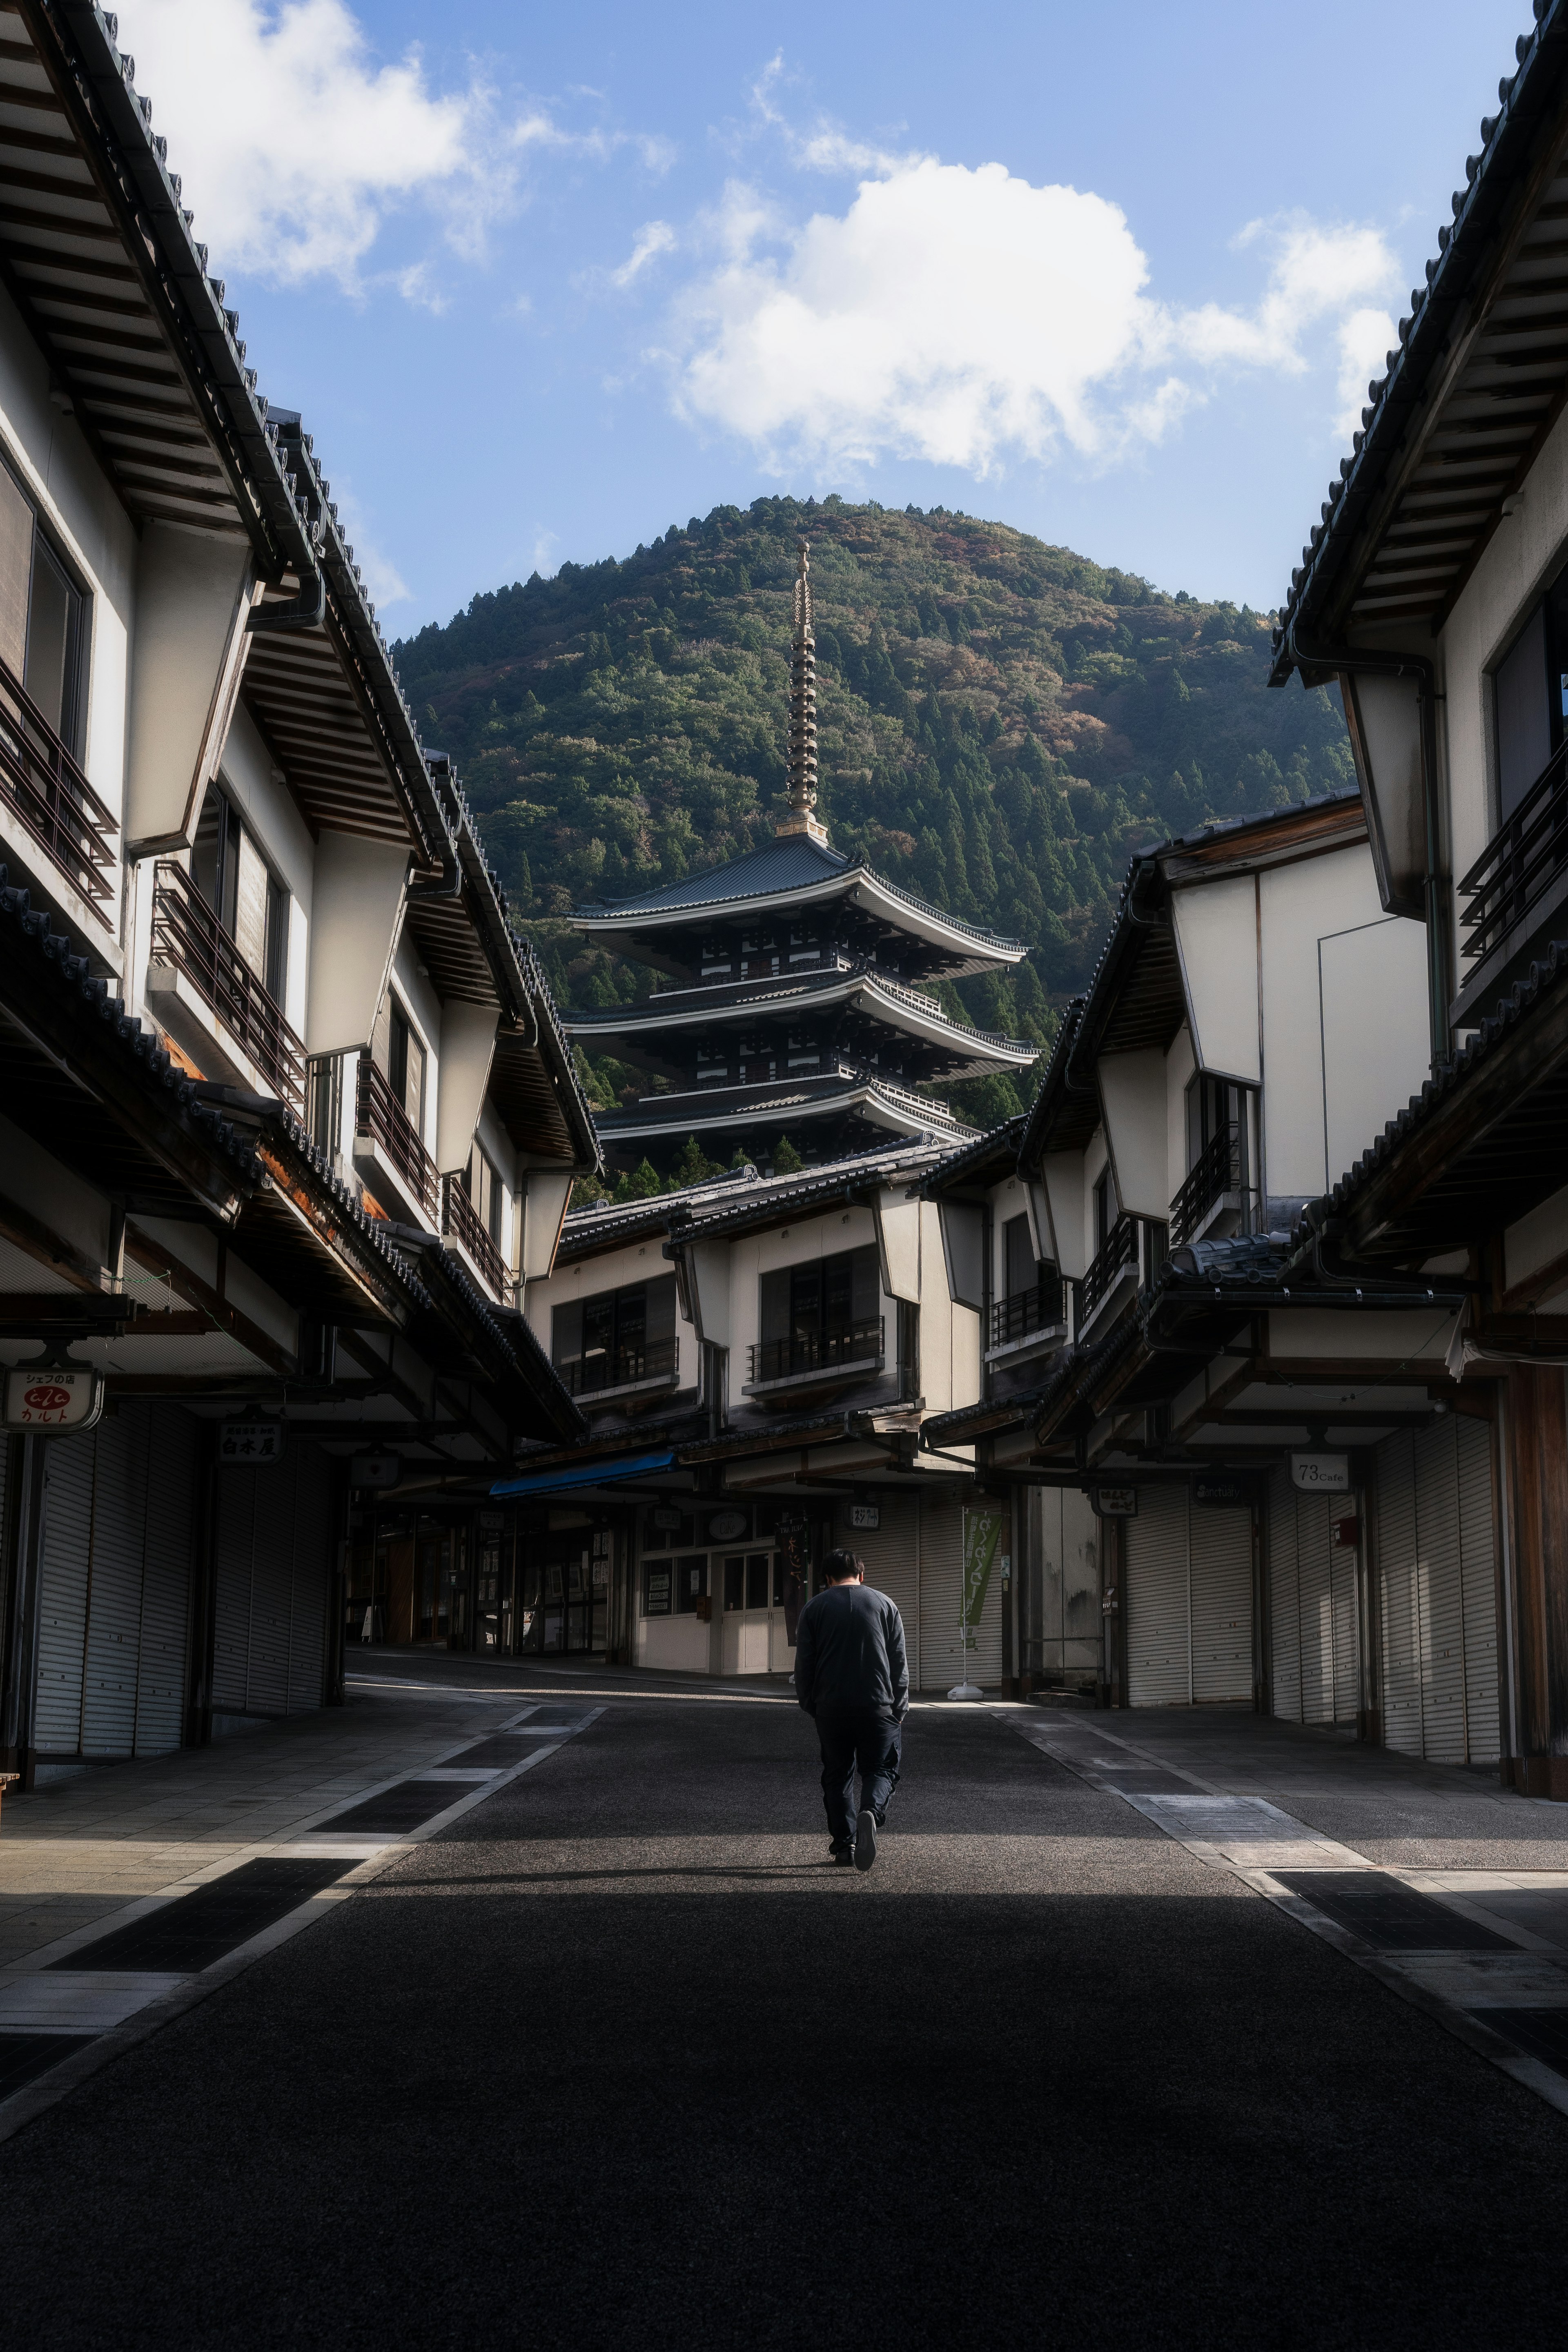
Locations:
(865, 1841)
(841, 1853)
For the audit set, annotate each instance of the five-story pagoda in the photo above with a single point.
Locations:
(795, 1001)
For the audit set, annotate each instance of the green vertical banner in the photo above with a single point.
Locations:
(981, 1538)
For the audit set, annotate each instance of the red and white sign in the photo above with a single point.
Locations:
(47, 1400)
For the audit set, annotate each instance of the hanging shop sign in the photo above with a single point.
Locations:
(1320, 1474)
(49, 1401)
(866, 1516)
(254, 1442)
(664, 1514)
(1221, 1493)
(726, 1526)
(375, 1470)
(1115, 1502)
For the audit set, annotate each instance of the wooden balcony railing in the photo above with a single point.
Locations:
(381, 1117)
(620, 1368)
(1121, 1250)
(1217, 1172)
(1041, 1307)
(43, 786)
(1520, 864)
(459, 1218)
(813, 1351)
(188, 934)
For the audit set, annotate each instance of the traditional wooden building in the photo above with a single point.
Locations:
(797, 989)
(285, 1114)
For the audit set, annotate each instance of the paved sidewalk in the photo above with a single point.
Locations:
(80, 1846)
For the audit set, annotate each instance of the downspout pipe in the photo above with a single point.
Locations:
(1380, 662)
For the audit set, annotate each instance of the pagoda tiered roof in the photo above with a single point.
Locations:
(787, 1105)
(840, 982)
(785, 875)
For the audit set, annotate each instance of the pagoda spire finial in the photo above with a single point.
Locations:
(800, 781)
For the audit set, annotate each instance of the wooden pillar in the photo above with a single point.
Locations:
(1538, 1476)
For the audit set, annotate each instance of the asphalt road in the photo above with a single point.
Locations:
(619, 2060)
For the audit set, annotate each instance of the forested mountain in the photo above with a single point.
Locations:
(1002, 724)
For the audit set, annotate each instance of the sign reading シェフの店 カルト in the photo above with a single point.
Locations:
(48, 1400)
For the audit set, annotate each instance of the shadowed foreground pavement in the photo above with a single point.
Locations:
(617, 2059)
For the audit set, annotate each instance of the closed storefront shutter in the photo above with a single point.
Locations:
(1284, 1600)
(1220, 1554)
(1315, 1647)
(893, 1557)
(1436, 1571)
(1155, 1599)
(274, 1554)
(1440, 1594)
(114, 1583)
(231, 1598)
(171, 1484)
(65, 1544)
(312, 1555)
(1478, 1569)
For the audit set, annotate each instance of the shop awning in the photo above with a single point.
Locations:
(586, 1474)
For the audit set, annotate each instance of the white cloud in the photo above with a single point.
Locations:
(655, 238)
(296, 143)
(966, 316)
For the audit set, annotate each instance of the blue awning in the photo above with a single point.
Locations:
(587, 1474)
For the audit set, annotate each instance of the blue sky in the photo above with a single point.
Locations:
(546, 281)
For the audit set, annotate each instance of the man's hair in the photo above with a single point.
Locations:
(841, 1564)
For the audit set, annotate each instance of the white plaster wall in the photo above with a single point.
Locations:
(65, 479)
(1180, 1067)
(1318, 899)
(1007, 1201)
(1524, 554)
(423, 1006)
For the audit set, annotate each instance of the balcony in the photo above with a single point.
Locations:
(605, 1373)
(389, 1158)
(846, 1352)
(1216, 1183)
(1028, 1317)
(42, 788)
(1116, 1260)
(202, 990)
(1515, 888)
(461, 1226)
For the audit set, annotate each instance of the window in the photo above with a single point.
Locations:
(252, 906)
(616, 1338)
(1020, 1270)
(1530, 698)
(43, 617)
(820, 1313)
(486, 1193)
(405, 1064)
(1104, 1208)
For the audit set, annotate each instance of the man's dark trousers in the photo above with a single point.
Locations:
(852, 1737)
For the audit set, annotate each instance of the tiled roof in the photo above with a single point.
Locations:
(788, 865)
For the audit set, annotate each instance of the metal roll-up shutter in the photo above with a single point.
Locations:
(272, 1583)
(1155, 1599)
(114, 1583)
(171, 1484)
(891, 1554)
(65, 1544)
(1398, 1593)
(1346, 1621)
(1478, 1569)
(1315, 1608)
(1220, 1550)
(312, 1558)
(1284, 1601)
(1440, 1592)
(235, 1551)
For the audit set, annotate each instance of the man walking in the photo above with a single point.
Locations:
(852, 1675)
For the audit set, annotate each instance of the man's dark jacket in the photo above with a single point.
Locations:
(849, 1654)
